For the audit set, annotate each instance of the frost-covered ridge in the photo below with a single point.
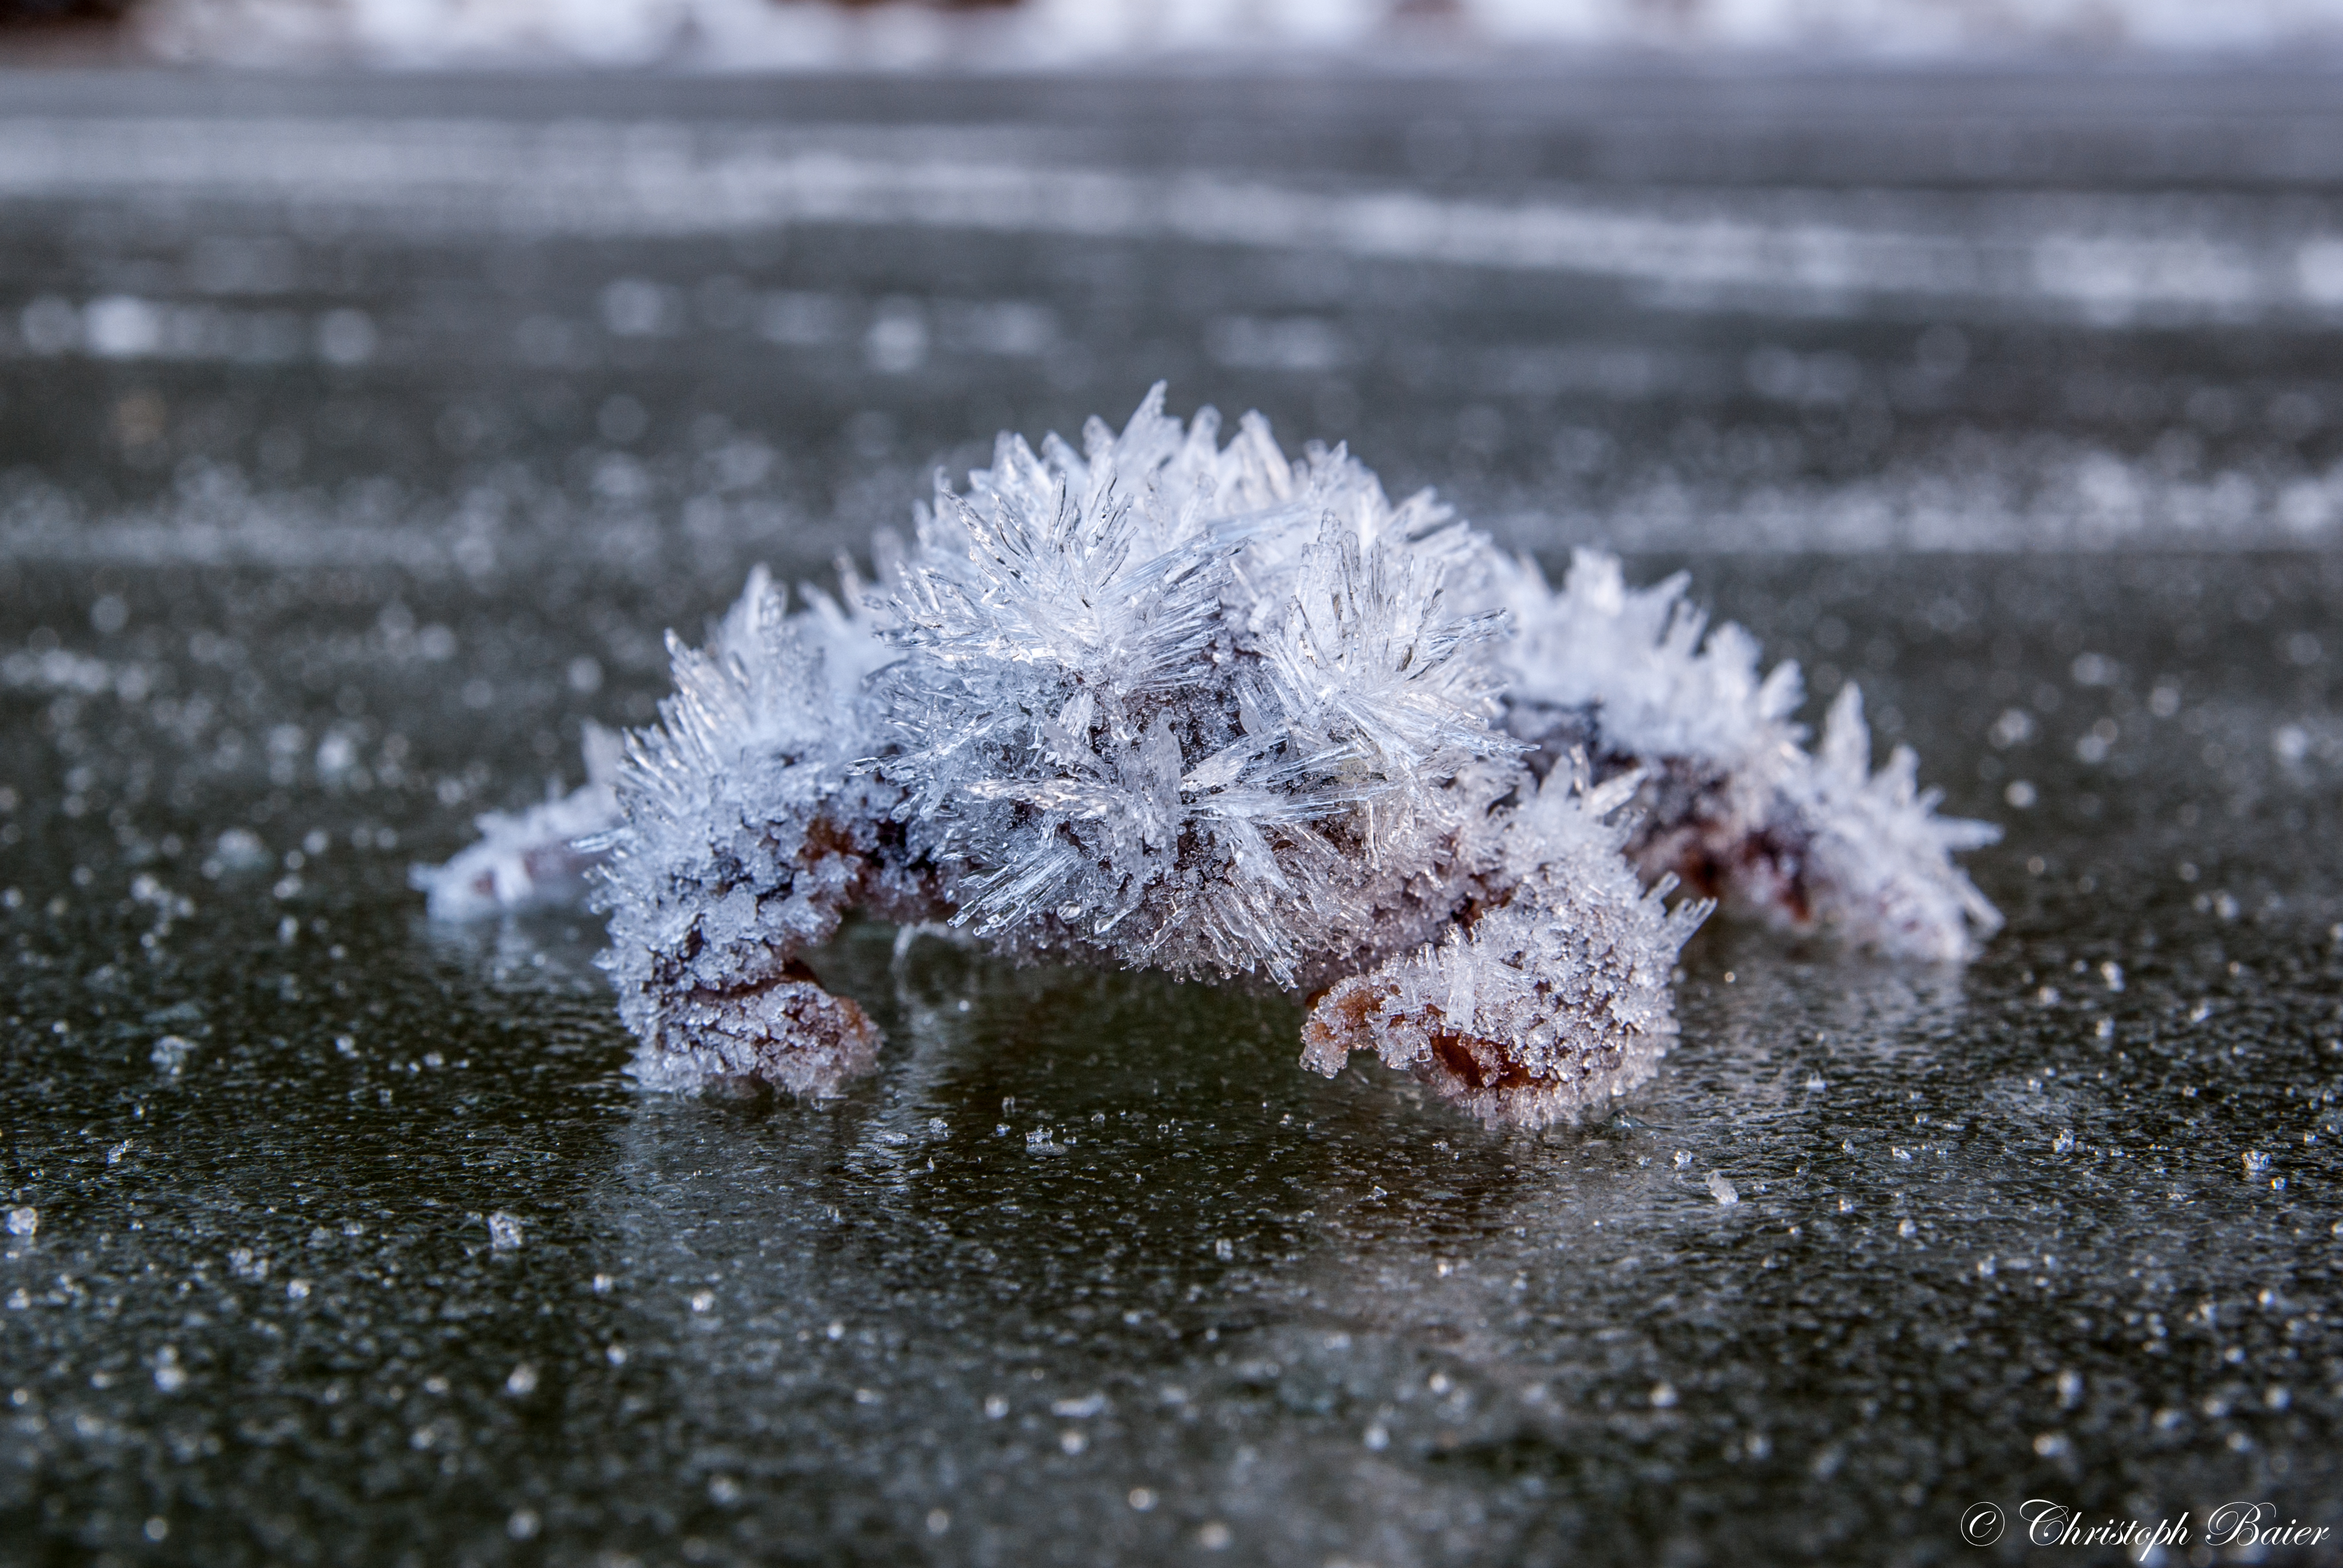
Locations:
(1176, 704)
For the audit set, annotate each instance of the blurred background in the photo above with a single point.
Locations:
(715, 278)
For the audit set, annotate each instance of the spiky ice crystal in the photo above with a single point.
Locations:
(1170, 704)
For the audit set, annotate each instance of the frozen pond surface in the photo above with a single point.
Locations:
(335, 1236)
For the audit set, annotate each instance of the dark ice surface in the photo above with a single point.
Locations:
(338, 1236)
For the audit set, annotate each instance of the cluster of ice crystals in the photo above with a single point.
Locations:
(1732, 802)
(530, 857)
(1195, 708)
(1548, 1001)
(1174, 704)
(1641, 659)
(1880, 858)
(744, 834)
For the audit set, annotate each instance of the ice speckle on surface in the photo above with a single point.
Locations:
(504, 1231)
(170, 1054)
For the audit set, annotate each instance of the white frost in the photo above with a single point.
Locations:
(1169, 703)
(1733, 802)
(530, 857)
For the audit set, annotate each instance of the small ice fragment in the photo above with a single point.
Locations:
(114, 1155)
(1663, 1396)
(1081, 1409)
(1906, 1228)
(1725, 1193)
(1684, 1158)
(2065, 1142)
(170, 1377)
(521, 1381)
(240, 849)
(170, 1054)
(24, 1220)
(2256, 1164)
(504, 1231)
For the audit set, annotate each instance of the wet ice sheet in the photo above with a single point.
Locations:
(384, 1257)
(282, 606)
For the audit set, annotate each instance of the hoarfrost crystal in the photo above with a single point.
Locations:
(1199, 708)
(529, 858)
(1732, 801)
